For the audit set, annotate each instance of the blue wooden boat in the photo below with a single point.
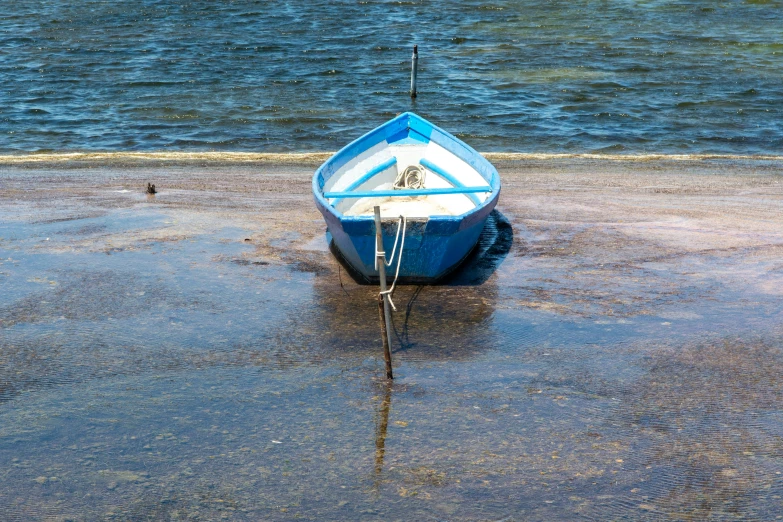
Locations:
(411, 168)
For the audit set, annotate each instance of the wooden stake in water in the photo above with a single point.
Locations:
(383, 300)
(414, 69)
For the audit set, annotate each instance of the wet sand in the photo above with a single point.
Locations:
(611, 351)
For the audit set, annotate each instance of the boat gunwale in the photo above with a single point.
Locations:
(417, 124)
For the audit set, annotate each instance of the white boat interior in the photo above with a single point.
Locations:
(408, 165)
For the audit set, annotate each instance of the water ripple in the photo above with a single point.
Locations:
(689, 78)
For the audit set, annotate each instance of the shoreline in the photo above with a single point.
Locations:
(288, 158)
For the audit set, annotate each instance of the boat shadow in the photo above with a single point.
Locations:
(491, 249)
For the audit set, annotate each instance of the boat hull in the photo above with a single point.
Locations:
(434, 245)
(433, 248)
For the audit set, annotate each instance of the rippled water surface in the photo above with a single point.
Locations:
(614, 76)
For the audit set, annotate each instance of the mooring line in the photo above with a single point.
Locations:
(401, 225)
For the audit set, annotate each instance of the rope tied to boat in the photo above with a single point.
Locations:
(410, 178)
(402, 225)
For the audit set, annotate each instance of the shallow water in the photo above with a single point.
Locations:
(197, 355)
(623, 77)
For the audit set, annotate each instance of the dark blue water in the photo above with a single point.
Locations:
(613, 76)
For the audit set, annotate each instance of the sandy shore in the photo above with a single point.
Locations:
(615, 350)
(567, 213)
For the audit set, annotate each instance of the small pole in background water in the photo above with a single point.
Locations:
(383, 299)
(414, 70)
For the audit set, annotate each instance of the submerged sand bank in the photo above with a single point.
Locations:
(615, 353)
(600, 209)
(591, 220)
(589, 235)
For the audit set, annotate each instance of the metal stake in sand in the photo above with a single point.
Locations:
(383, 299)
(414, 69)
